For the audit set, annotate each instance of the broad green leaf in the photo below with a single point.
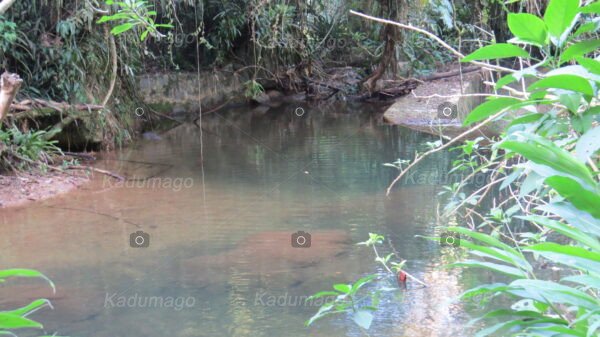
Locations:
(584, 280)
(6, 273)
(363, 319)
(576, 218)
(361, 282)
(343, 288)
(528, 28)
(118, 16)
(544, 152)
(496, 51)
(505, 80)
(583, 199)
(144, 35)
(28, 308)
(566, 230)
(577, 257)
(526, 119)
(560, 17)
(501, 268)
(516, 325)
(593, 8)
(588, 144)
(121, 28)
(8, 321)
(490, 108)
(591, 65)
(571, 101)
(566, 82)
(485, 238)
(579, 49)
(506, 312)
(322, 294)
(496, 254)
(589, 27)
(583, 122)
(543, 291)
(484, 289)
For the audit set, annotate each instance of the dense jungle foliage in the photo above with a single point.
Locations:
(66, 55)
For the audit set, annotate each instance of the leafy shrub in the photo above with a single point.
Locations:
(16, 319)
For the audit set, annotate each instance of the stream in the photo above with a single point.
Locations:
(211, 252)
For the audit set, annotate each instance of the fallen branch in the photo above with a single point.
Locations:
(97, 170)
(419, 158)
(452, 73)
(36, 104)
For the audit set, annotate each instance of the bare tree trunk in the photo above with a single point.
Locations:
(5, 4)
(9, 86)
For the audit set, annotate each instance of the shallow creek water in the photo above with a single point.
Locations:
(219, 260)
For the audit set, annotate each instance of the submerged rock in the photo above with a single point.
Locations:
(149, 135)
(270, 253)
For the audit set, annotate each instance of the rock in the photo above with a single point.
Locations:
(149, 135)
(272, 98)
(178, 111)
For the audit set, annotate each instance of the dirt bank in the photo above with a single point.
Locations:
(18, 190)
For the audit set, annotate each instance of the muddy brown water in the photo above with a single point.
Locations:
(220, 260)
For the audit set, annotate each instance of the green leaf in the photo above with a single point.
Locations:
(343, 288)
(504, 269)
(8, 321)
(583, 122)
(559, 18)
(505, 80)
(490, 108)
(571, 101)
(585, 280)
(496, 51)
(361, 282)
(587, 27)
(579, 49)
(30, 273)
(485, 238)
(577, 257)
(121, 28)
(588, 144)
(33, 306)
(566, 230)
(593, 8)
(144, 35)
(544, 152)
(528, 28)
(566, 82)
(118, 16)
(543, 291)
(322, 294)
(496, 254)
(576, 218)
(484, 289)
(526, 119)
(580, 197)
(590, 65)
(363, 319)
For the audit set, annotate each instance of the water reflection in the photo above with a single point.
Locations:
(223, 238)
